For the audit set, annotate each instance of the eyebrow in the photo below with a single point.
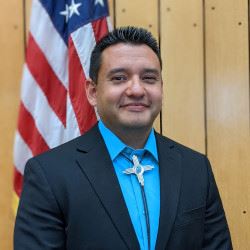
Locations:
(116, 70)
(146, 70)
(149, 70)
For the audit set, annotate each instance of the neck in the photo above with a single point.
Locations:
(133, 137)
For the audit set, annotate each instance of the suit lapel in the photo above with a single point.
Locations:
(170, 182)
(94, 160)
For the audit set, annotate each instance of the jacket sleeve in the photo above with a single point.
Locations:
(216, 234)
(39, 223)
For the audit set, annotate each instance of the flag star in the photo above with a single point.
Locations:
(73, 8)
(100, 2)
(65, 13)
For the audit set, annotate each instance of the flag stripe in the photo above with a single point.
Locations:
(29, 132)
(50, 42)
(47, 80)
(21, 153)
(100, 28)
(72, 129)
(85, 113)
(84, 35)
(18, 182)
(109, 23)
(52, 131)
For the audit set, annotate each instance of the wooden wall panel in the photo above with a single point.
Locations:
(227, 70)
(135, 13)
(27, 13)
(11, 50)
(182, 53)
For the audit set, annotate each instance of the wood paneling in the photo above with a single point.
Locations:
(11, 51)
(227, 70)
(182, 53)
(138, 13)
(27, 13)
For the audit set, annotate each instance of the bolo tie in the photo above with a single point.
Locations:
(138, 170)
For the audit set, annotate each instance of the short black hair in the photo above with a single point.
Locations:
(129, 35)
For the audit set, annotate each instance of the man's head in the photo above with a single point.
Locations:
(126, 84)
(128, 35)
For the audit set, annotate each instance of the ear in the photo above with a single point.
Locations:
(91, 90)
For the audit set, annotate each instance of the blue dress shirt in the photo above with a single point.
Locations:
(120, 155)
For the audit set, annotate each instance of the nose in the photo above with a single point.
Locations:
(135, 88)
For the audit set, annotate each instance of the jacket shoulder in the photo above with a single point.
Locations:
(64, 155)
(68, 148)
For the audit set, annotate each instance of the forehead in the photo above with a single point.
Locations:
(126, 53)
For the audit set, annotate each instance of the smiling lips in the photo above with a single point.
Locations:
(135, 106)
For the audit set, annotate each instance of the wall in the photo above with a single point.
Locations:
(205, 50)
(12, 54)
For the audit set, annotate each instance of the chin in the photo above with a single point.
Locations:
(137, 124)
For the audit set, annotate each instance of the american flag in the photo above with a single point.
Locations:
(53, 107)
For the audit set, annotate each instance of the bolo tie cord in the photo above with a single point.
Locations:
(144, 199)
(145, 205)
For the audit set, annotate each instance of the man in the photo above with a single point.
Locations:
(122, 185)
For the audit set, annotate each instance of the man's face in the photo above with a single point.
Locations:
(128, 93)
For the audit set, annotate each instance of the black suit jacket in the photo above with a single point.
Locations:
(71, 199)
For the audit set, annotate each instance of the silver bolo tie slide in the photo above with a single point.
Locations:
(138, 170)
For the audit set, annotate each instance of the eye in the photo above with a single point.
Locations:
(150, 79)
(118, 78)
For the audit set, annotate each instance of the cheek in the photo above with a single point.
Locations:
(106, 98)
(155, 94)
(113, 96)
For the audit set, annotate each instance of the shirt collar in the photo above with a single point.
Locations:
(115, 146)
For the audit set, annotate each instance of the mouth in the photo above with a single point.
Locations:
(135, 107)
